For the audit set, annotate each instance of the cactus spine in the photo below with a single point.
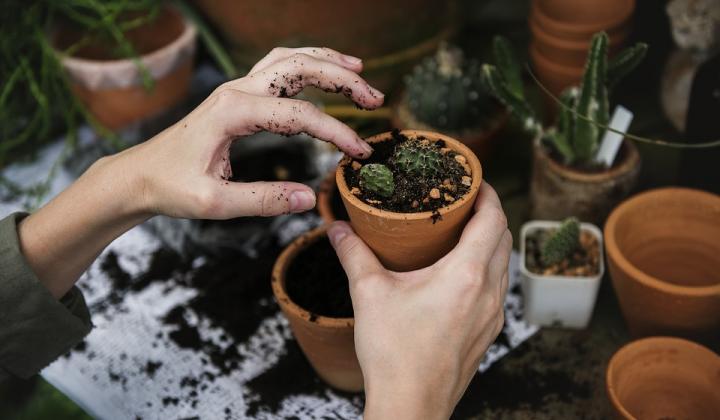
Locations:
(445, 91)
(417, 159)
(562, 243)
(583, 112)
(378, 179)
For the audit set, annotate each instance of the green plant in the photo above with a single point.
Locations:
(377, 178)
(416, 158)
(584, 110)
(562, 243)
(445, 91)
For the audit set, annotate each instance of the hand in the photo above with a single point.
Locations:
(420, 335)
(186, 168)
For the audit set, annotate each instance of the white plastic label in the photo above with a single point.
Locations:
(611, 141)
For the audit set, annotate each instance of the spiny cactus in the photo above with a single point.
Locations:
(562, 243)
(415, 158)
(584, 110)
(377, 178)
(445, 91)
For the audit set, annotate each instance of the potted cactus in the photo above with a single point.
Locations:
(567, 180)
(444, 93)
(410, 200)
(561, 265)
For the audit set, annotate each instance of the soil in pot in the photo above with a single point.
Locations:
(583, 262)
(316, 282)
(412, 193)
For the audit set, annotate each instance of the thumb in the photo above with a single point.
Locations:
(355, 256)
(265, 198)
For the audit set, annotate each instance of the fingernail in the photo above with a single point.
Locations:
(351, 60)
(337, 232)
(376, 93)
(366, 148)
(301, 201)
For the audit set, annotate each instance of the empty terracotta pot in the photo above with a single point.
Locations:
(664, 378)
(663, 249)
(554, 77)
(112, 89)
(409, 241)
(328, 343)
(578, 20)
(558, 191)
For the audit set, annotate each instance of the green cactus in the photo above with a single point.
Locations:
(562, 243)
(445, 92)
(585, 109)
(377, 178)
(417, 159)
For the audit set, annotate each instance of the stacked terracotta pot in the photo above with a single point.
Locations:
(562, 31)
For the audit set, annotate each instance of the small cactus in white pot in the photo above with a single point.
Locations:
(561, 265)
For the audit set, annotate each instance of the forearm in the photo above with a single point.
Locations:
(64, 237)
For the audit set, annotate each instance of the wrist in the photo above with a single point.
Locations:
(405, 400)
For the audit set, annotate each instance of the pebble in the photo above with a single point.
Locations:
(445, 150)
(467, 181)
(460, 159)
(449, 198)
(435, 193)
(355, 191)
(426, 200)
(415, 204)
(356, 165)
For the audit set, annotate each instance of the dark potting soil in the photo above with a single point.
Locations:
(585, 261)
(316, 282)
(412, 193)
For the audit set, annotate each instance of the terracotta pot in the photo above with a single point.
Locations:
(663, 249)
(562, 19)
(387, 43)
(558, 191)
(571, 53)
(664, 378)
(409, 241)
(554, 77)
(112, 89)
(329, 203)
(479, 140)
(328, 343)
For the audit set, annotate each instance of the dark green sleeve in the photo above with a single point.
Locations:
(35, 328)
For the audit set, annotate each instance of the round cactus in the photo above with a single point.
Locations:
(562, 243)
(417, 159)
(445, 91)
(378, 179)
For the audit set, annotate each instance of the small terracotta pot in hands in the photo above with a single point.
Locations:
(664, 378)
(409, 241)
(328, 343)
(663, 249)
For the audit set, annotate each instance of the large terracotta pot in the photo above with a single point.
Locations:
(664, 378)
(480, 140)
(554, 77)
(409, 241)
(558, 191)
(375, 30)
(112, 89)
(663, 249)
(328, 343)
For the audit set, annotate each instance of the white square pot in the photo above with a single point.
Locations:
(565, 301)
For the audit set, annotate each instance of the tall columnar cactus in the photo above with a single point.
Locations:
(377, 178)
(445, 91)
(562, 243)
(584, 111)
(417, 159)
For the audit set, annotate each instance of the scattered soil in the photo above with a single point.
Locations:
(412, 194)
(584, 262)
(316, 282)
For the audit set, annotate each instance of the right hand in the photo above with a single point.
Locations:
(421, 335)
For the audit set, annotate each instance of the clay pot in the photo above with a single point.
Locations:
(556, 78)
(664, 378)
(374, 30)
(329, 203)
(479, 140)
(558, 191)
(578, 20)
(409, 241)
(663, 249)
(112, 89)
(328, 343)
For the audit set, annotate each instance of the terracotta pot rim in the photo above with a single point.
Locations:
(456, 145)
(572, 45)
(278, 282)
(402, 117)
(568, 71)
(630, 161)
(646, 342)
(325, 195)
(609, 25)
(614, 253)
(187, 36)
